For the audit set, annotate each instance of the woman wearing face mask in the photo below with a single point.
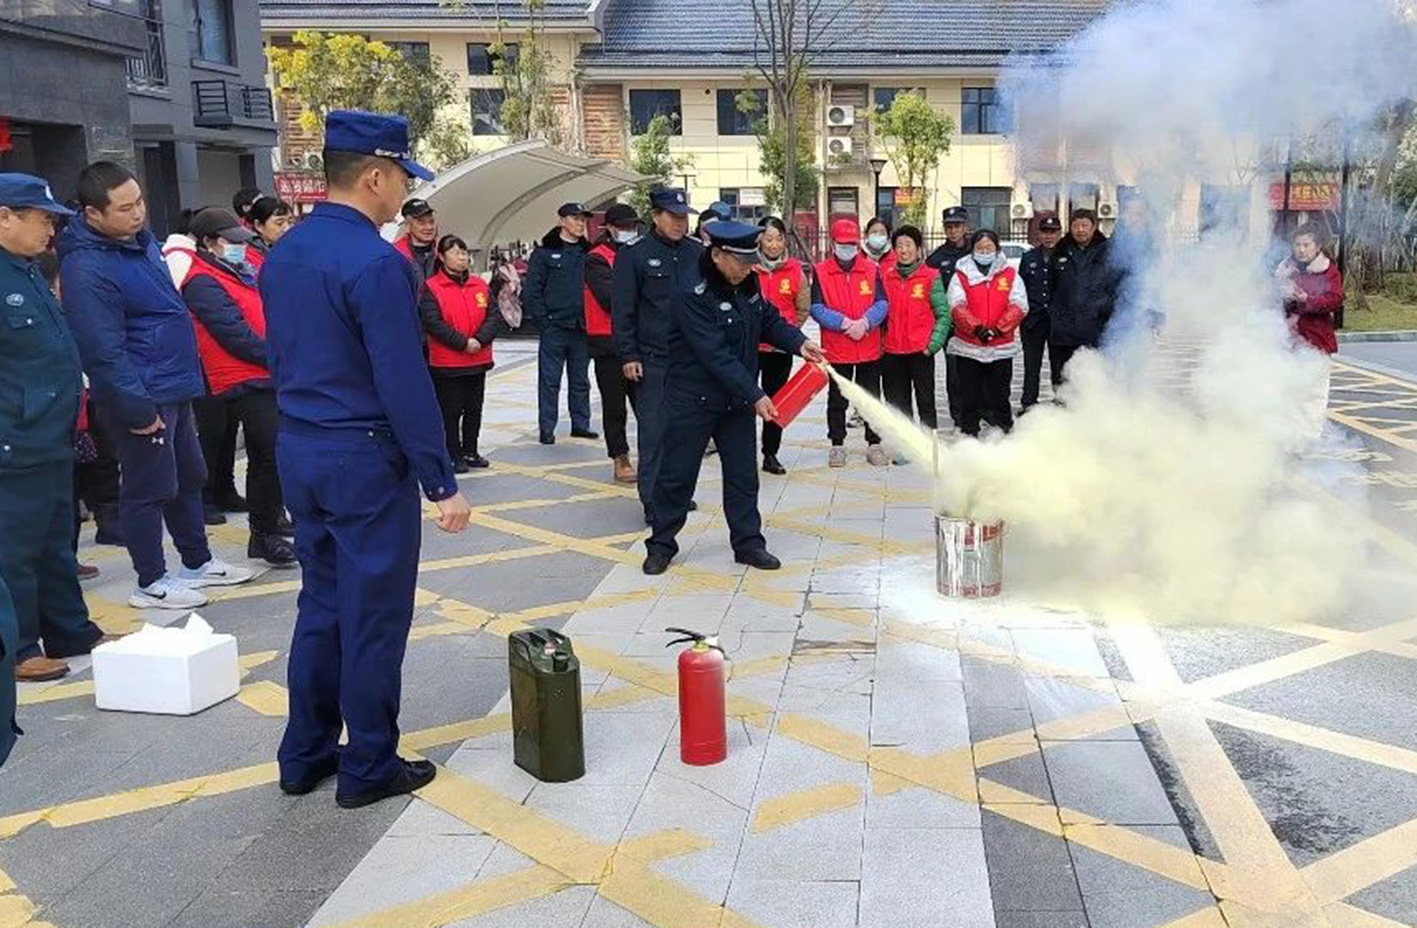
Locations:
(988, 302)
(916, 329)
(1312, 288)
(220, 291)
(622, 229)
(879, 244)
(269, 218)
(849, 304)
(457, 311)
(783, 284)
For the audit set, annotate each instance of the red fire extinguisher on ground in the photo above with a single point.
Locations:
(703, 735)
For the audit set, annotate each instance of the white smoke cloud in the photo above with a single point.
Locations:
(1159, 491)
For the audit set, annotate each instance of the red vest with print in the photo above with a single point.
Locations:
(850, 293)
(597, 317)
(910, 320)
(464, 307)
(224, 370)
(255, 257)
(987, 303)
(780, 288)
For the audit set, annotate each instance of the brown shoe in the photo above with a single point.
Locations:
(88, 572)
(40, 669)
(624, 470)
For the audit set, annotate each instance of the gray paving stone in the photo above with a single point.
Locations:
(599, 811)
(564, 909)
(623, 747)
(47, 863)
(911, 660)
(1198, 652)
(987, 722)
(1117, 894)
(1111, 780)
(795, 904)
(606, 914)
(919, 808)
(229, 908)
(1074, 919)
(1028, 870)
(585, 519)
(1070, 648)
(992, 685)
(423, 819)
(401, 869)
(1053, 698)
(1027, 774)
(670, 802)
(822, 848)
(923, 717)
(910, 877)
(1394, 898)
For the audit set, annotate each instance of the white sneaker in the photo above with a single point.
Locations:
(836, 457)
(876, 456)
(215, 572)
(167, 593)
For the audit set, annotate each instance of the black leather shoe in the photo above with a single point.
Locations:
(547, 438)
(285, 527)
(656, 564)
(273, 549)
(460, 466)
(232, 502)
(320, 774)
(758, 558)
(212, 515)
(475, 461)
(772, 465)
(693, 506)
(414, 774)
(584, 433)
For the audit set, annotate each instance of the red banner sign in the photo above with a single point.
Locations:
(1307, 197)
(300, 187)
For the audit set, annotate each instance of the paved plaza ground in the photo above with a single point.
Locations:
(896, 759)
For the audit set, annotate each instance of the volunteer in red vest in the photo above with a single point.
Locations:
(917, 325)
(269, 218)
(989, 301)
(220, 291)
(783, 283)
(849, 304)
(622, 227)
(420, 239)
(879, 244)
(457, 311)
(1312, 288)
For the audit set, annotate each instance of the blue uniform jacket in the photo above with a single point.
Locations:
(1035, 270)
(135, 336)
(714, 336)
(39, 372)
(553, 295)
(344, 340)
(649, 276)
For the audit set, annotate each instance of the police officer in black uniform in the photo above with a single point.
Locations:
(648, 277)
(1034, 270)
(717, 324)
(956, 246)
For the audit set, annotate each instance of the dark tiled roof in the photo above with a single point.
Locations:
(471, 11)
(864, 34)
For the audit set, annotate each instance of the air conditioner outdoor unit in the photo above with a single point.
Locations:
(1022, 211)
(1107, 210)
(313, 161)
(839, 145)
(841, 114)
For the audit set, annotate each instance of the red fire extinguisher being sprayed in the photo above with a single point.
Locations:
(703, 735)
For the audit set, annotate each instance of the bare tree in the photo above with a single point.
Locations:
(789, 36)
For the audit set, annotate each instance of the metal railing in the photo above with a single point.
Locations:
(150, 68)
(219, 102)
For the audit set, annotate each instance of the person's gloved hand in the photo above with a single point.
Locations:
(991, 334)
(981, 332)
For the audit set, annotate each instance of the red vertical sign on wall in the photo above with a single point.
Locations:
(6, 143)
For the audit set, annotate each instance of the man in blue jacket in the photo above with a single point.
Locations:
(360, 432)
(140, 352)
(554, 298)
(39, 409)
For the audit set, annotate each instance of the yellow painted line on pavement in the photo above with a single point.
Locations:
(466, 902)
(663, 903)
(1209, 917)
(820, 735)
(809, 803)
(1343, 915)
(265, 697)
(1373, 752)
(1370, 861)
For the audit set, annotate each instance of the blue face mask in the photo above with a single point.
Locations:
(845, 252)
(233, 254)
(985, 261)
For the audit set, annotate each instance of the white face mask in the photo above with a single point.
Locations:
(624, 236)
(845, 252)
(985, 260)
(876, 243)
(233, 254)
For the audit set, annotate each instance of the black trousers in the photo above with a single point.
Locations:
(1058, 358)
(1035, 342)
(774, 367)
(650, 395)
(255, 411)
(96, 481)
(688, 428)
(866, 375)
(219, 451)
(985, 387)
(905, 374)
(615, 396)
(460, 397)
(953, 390)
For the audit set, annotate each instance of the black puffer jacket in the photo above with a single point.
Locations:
(1085, 286)
(555, 276)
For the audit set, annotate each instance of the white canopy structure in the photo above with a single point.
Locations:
(511, 194)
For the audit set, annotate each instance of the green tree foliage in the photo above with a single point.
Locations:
(329, 72)
(528, 110)
(771, 131)
(650, 156)
(915, 136)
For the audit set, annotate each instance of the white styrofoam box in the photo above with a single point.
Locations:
(170, 671)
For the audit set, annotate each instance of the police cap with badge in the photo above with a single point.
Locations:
(364, 133)
(956, 214)
(671, 200)
(739, 239)
(25, 191)
(1050, 224)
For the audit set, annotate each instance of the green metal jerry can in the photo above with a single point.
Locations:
(548, 741)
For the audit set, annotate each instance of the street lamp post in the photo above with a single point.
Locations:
(877, 165)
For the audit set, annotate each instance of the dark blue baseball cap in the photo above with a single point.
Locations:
(737, 238)
(671, 200)
(373, 134)
(720, 209)
(25, 191)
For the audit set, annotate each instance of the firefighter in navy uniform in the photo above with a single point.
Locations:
(648, 276)
(943, 259)
(717, 324)
(1034, 270)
